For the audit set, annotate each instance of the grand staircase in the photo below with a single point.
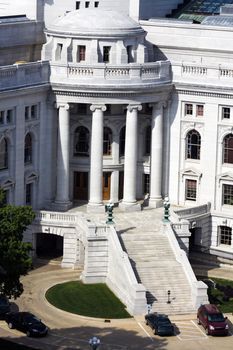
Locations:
(157, 269)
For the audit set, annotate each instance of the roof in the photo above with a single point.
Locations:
(197, 10)
(95, 22)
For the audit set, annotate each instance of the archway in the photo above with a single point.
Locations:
(49, 246)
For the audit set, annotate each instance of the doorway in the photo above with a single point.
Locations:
(80, 185)
(106, 185)
(121, 185)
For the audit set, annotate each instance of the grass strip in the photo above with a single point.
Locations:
(93, 300)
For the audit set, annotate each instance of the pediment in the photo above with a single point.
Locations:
(191, 172)
(31, 176)
(6, 182)
(226, 176)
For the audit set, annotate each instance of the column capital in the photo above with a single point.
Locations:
(64, 105)
(102, 107)
(130, 108)
(158, 105)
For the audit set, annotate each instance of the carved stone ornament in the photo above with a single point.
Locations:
(130, 108)
(101, 107)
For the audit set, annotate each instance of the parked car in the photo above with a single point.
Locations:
(160, 323)
(4, 306)
(27, 323)
(212, 320)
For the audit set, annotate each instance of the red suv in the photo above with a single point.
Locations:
(212, 320)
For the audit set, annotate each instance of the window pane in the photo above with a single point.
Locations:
(106, 54)
(226, 113)
(122, 142)
(193, 145)
(228, 194)
(28, 194)
(188, 109)
(148, 141)
(107, 142)
(191, 190)
(228, 149)
(81, 141)
(3, 154)
(225, 234)
(200, 110)
(81, 53)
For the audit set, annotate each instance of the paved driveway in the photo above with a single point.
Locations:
(69, 332)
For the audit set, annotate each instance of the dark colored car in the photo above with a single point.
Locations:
(160, 323)
(27, 323)
(4, 306)
(212, 320)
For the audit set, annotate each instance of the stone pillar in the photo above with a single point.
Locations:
(62, 201)
(156, 161)
(131, 154)
(96, 167)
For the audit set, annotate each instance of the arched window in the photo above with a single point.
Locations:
(107, 142)
(81, 141)
(193, 145)
(28, 149)
(122, 142)
(3, 154)
(228, 149)
(148, 140)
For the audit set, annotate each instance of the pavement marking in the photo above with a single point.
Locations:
(189, 331)
(140, 325)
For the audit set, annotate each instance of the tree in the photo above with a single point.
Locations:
(14, 253)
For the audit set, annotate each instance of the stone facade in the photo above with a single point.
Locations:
(111, 109)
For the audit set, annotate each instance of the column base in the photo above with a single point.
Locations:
(126, 206)
(155, 202)
(61, 206)
(95, 208)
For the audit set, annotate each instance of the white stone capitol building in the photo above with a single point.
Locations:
(127, 102)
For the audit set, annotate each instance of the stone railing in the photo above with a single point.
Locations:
(23, 75)
(107, 74)
(196, 71)
(56, 218)
(189, 213)
(198, 288)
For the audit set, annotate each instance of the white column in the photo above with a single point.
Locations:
(131, 155)
(156, 161)
(96, 167)
(62, 201)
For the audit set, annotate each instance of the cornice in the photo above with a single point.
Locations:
(205, 93)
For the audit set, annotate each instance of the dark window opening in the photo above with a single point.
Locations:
(87, 4)
(193, 145)
(81, 53)
(225, 234)
(3, 154)
(96, 4)
(77, 5)
(148, 141)
(226, 113)
(107, 142)
(122, 142)
(228, 194)
(28, 199)
(191, 190)
(81, 141)
(146, 183)
(106, 54)
(228, 149)
(28, 149)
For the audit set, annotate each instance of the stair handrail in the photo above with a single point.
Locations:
(198, 288)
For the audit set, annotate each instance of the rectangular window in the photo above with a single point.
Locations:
(188, 109)
(33, 111)
(96, 3)
(191, 190)
(199, 110)
(26, 112)
(1, 117)
(28, 198)
(81, 53)
(226, 112)
(9, 116)
(106, 54)
(87, 4)
(228, 194)
(77, 5)
(58, 52)
(225, 234)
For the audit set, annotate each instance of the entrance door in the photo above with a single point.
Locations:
(106, 185)
(80, 185)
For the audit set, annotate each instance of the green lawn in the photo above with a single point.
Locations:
(222, 294)
(93, 300)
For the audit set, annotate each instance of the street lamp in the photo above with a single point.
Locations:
(94, 343)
